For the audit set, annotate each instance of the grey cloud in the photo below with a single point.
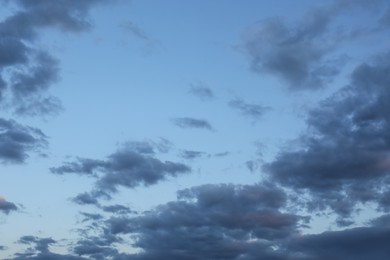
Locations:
(82, 166)
(212, 222)
(41, 244)
(253, 111)
(130, 166)
(26, 70)
(202, 91)
(343, 158)
(18, 141)
(358, 244)
(85, 199)
(187, 122)
(117, 209)
(190, 155)
(7, 207)
(222, 154)
(91, 216)
(302, 54)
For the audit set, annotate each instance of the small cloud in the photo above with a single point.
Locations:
(7, 207)
(187, 122)
(253, 111)
(18, 141)
(190, 155)
(202, 91)
(135, 30)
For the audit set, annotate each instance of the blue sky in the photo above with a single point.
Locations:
(194, 129)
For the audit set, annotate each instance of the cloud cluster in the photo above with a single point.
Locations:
(344, 156)
(26, 70)
(130, 166)
(40, 250)
(211, 222)
(302, 53)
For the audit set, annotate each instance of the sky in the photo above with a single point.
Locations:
(175, 129)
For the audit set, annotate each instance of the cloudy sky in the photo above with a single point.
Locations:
(195, 129)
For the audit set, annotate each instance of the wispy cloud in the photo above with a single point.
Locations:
(188, 122)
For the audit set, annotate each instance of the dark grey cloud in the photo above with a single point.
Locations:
(202, 91)
(303, 53)
(130, 166)
(7, 207)
(188, 122)
(212, 222)
(86, 199)
(18, 141)
(117, 209)
(253, 111)
(343, 158)
(358, 243)
(26, 70)
(41, 244)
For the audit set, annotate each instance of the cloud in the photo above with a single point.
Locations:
(187, 122)
(202, 91)
(358, 243)
(130, 166)
(212, 222)
(41, 250)
(303, 53)
(117, 209)
(18, 141)
(7, 207)
(135, 30)
(343, 158)
(26, 70)
(253, 111)
(190, 155)
(85, 199)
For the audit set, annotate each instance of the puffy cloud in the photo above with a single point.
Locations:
(18, 141)
(187, 122)
(212, 222)
(344, 156)
(130, 166)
